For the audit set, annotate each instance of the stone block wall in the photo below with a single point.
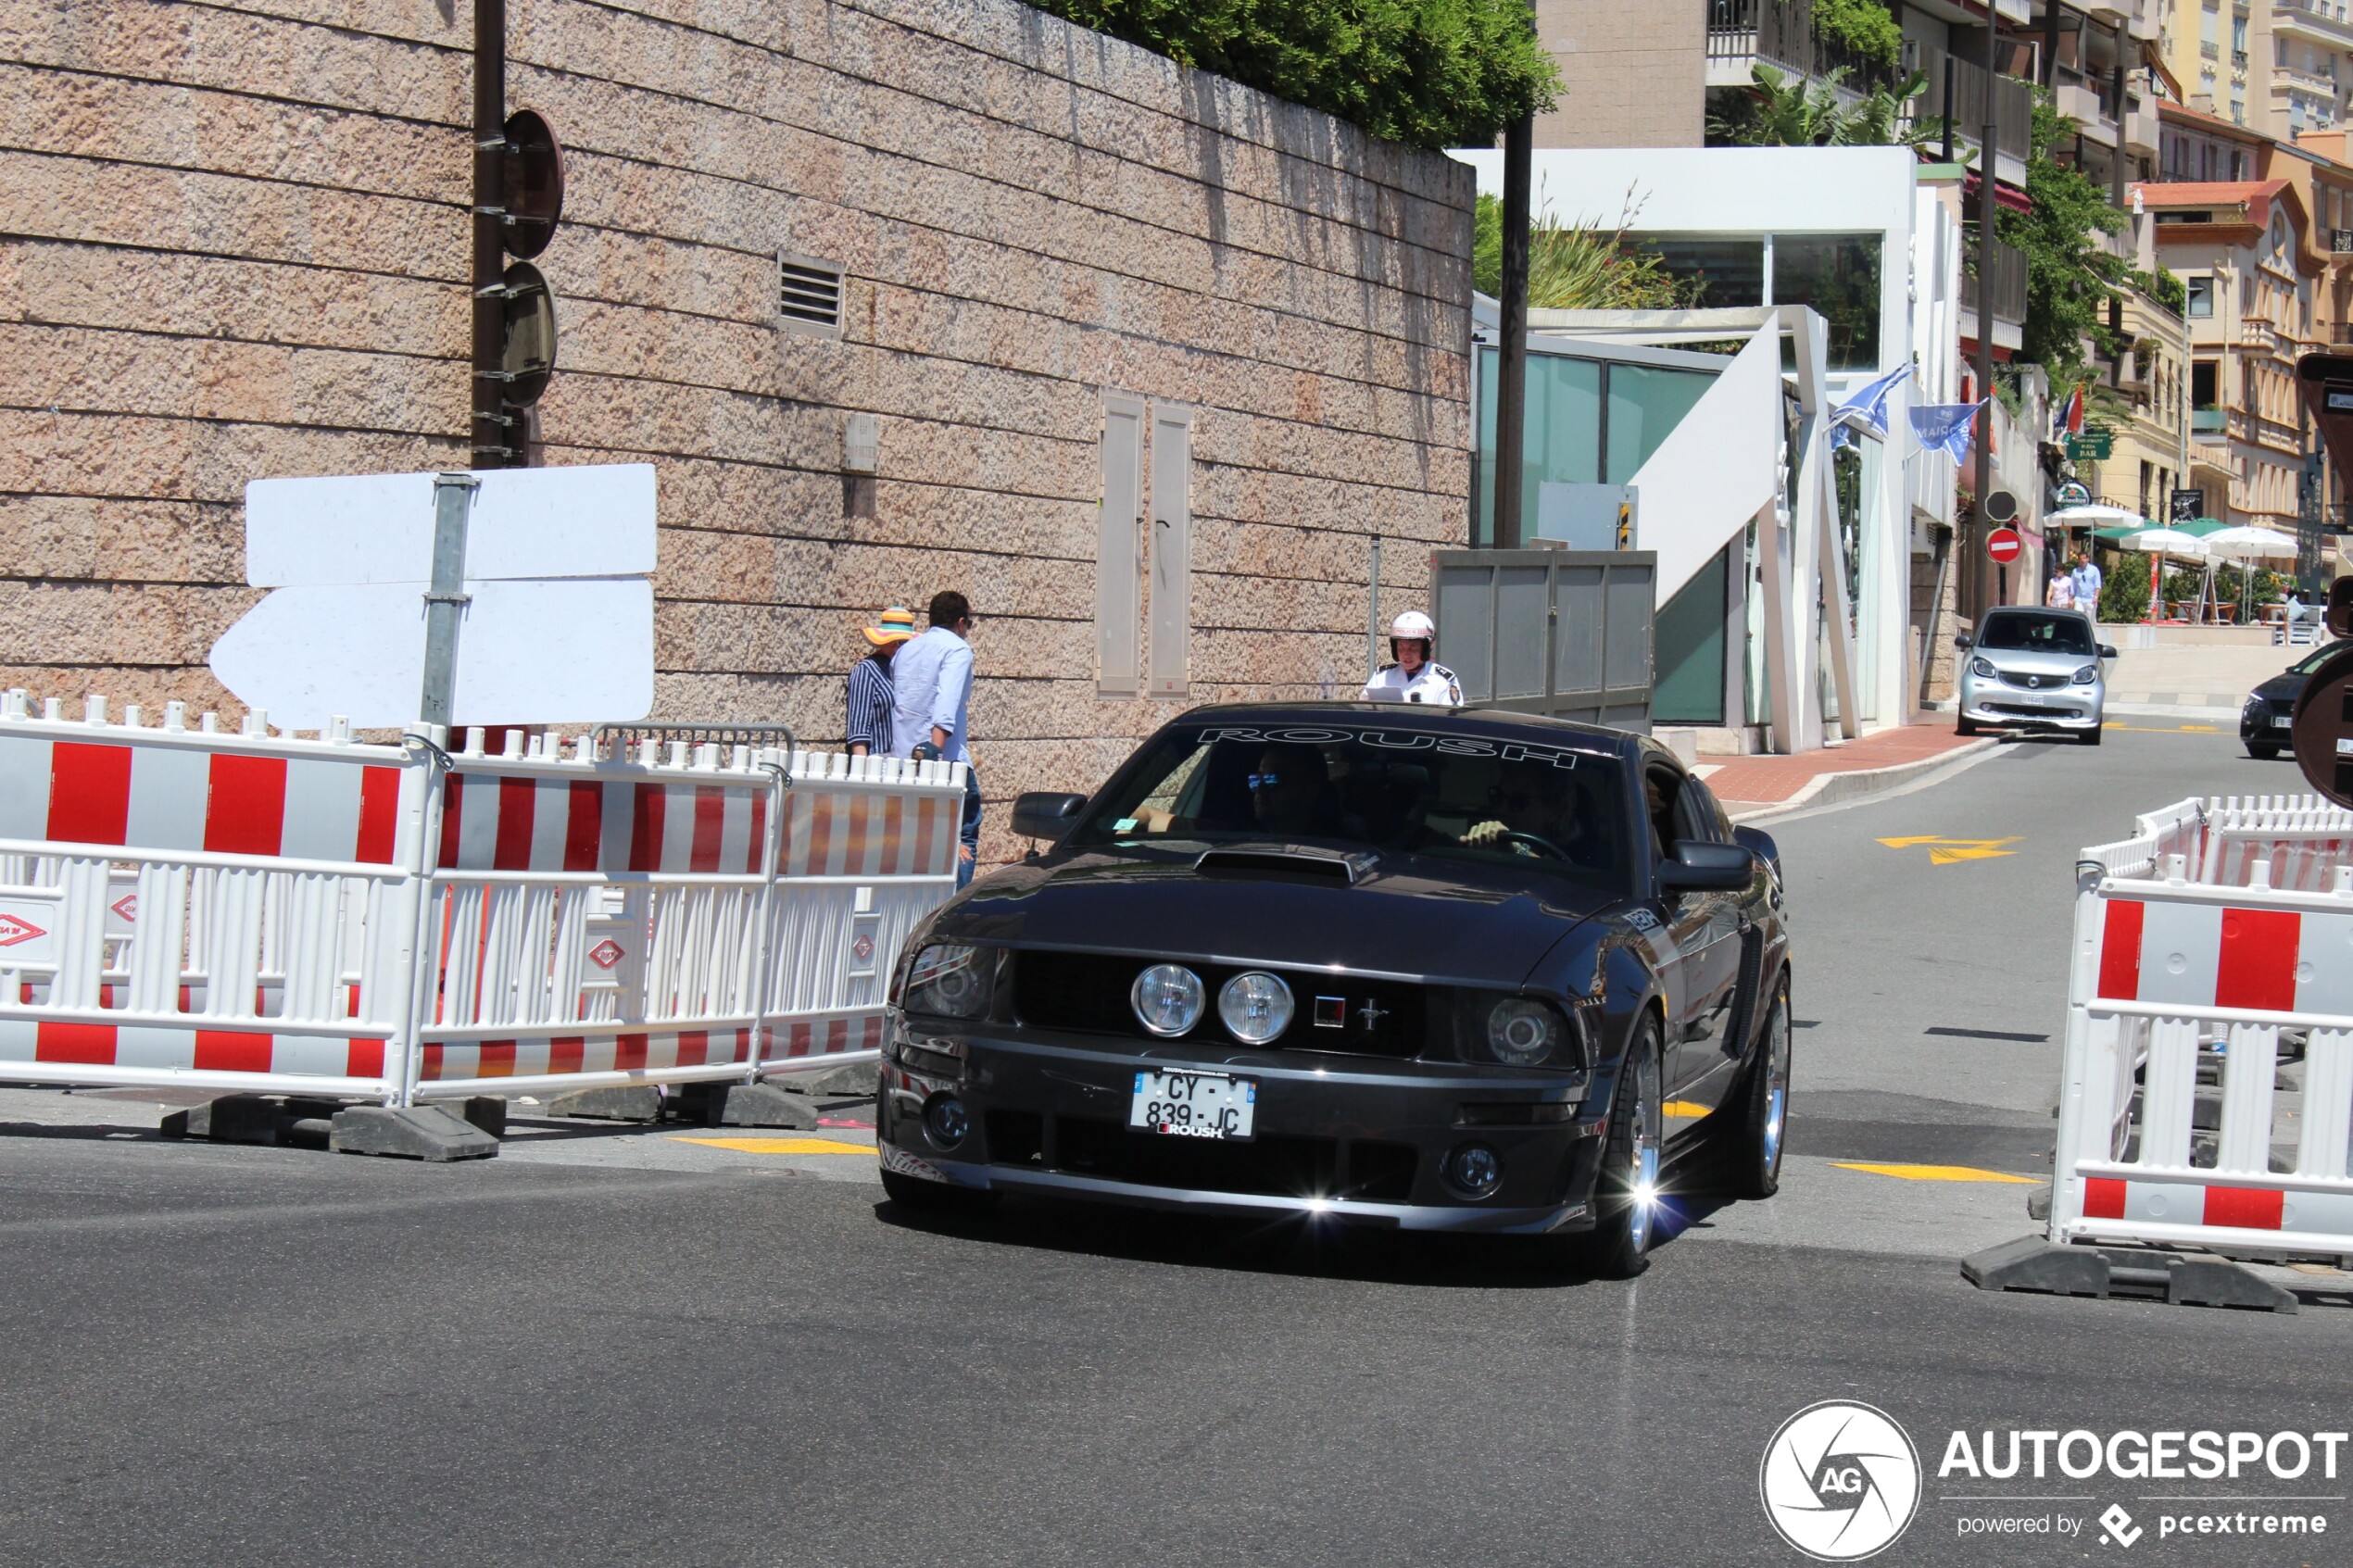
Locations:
(239, 244)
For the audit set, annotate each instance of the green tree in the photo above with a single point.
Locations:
(1431, 73)
(1780, 111)
(1573, 267)
(2071, 276)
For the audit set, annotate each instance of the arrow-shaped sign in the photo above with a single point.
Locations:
(1942, 851)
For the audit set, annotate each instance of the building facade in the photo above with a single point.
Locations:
(1057, 268)
(2243, 249)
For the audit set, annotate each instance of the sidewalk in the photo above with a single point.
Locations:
(1751, 786)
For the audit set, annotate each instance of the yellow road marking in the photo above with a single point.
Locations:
(2166, 729)
(1944, 851)
(779, 1145)
(1936, 1172)
(1684, 1110)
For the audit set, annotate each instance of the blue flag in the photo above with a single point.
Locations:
(1945, 427)
(1867, 404)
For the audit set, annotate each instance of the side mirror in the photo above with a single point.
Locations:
(1961, 642)
(1044, 814)
(1706, 867)
(2107, 650)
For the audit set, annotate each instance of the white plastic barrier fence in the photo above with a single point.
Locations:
(323, 916)
(2208, 1084)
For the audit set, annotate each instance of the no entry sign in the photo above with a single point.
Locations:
(2004, 545)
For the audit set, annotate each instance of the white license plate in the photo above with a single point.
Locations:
(1193, 1104)
(2281, 721)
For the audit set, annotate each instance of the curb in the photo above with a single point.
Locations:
(1832, 789)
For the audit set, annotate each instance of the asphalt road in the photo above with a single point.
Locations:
(611, 1346)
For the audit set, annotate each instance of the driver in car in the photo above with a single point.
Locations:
(1532, 800)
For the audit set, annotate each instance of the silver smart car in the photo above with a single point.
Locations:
(2034, 670)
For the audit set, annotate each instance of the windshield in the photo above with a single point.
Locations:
(2316, 657)
(2019, 631)
(1532, 807)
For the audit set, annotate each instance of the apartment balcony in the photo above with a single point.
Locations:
(2257, 332)
(2008, 269)
(2308, 82)
(1743, 34)
(2212, 424)
(2087, 105)
(2325, 22)
(2011, 106)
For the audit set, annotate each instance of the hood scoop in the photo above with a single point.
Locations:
(1286, 862)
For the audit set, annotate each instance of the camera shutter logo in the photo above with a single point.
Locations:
(1840, 1481)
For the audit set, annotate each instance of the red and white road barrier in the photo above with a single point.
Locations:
(2197, 979)
(180, 906)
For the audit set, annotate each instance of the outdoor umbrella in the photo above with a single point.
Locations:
(2096, 514)
(2162, 542)
(2248, 543)
(2245, 543)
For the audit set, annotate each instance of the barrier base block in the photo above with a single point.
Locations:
(851, 1080)
(230, 1119)
(2030, 1263)
(424, 1132)
(611, 1102)
(741, 1105)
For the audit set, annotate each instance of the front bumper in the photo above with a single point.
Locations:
(2262, 723)
(1991, 700)
(1347, 1139)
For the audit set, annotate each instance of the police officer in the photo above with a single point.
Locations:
(1416, 677)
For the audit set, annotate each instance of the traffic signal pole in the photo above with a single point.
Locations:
(489, 437)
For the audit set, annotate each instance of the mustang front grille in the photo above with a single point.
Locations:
(1089, 993)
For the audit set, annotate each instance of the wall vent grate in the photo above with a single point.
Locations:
(809, 295)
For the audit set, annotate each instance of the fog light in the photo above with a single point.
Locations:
(1474, 1170)
(946, 1122)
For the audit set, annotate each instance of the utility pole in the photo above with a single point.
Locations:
(1985, 204)
(489, 437)
(1511, 380)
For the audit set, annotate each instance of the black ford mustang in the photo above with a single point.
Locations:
(1398, 965)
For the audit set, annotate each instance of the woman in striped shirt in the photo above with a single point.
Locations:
(870, 691)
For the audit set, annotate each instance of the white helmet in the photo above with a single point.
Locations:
(1412, 625)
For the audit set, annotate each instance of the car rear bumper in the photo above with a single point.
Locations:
(1348, 1140)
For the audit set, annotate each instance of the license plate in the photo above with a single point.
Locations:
(2281, 721)
(1193, 1104)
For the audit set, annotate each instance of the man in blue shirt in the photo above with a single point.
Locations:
(932, 688)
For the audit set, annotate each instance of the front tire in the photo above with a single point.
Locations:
(1751, 1153)
(2261, 752)
(1625, 1192)
(2091, 735)
(1965, 726)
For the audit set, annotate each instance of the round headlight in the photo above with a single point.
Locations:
(1256, 1007)
(946, 1122)
(2089, 673)
(1168, 998)
(1521, 1031)
(1982, 668)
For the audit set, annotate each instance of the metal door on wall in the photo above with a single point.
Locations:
(1172, 550)
(1564, 633)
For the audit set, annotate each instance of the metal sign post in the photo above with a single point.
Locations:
(445, 600)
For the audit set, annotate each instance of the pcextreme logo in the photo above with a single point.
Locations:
(1840, 1481)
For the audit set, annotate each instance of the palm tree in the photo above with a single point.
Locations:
(1780, 112)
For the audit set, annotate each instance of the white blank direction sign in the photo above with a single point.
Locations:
(559, 628)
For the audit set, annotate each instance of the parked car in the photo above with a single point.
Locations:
(2270, 707)
(2034, 670)
(1408, 967)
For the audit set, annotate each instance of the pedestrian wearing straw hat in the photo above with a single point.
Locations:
(871, 696)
